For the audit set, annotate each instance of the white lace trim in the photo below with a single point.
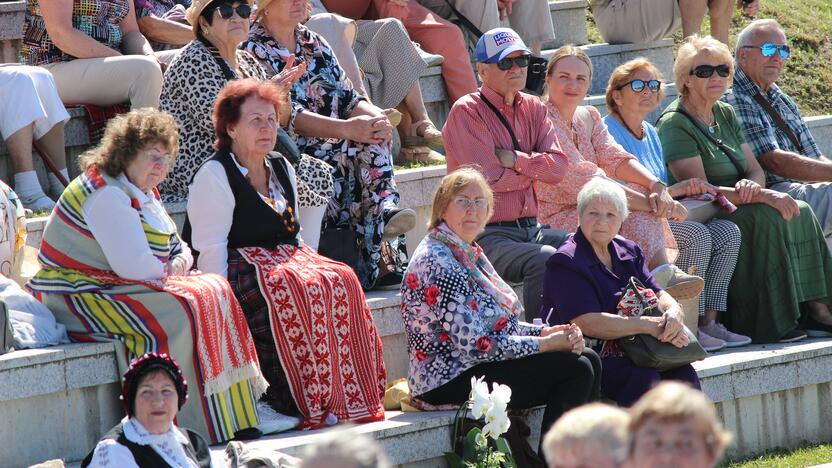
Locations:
(168, 445)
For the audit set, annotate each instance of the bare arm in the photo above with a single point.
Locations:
(57, 16)
(794, 166)
(134, 42)
(606, 326)
(164, 30)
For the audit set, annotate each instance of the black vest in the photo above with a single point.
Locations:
(146, 457)
(255, 223)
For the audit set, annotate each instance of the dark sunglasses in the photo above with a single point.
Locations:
(521, 61)
(638, 85)
(706, 71)
(768, 49)
(226, 11)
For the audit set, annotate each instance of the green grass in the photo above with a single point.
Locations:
(415, 165)
(808, 25)
(809, 455)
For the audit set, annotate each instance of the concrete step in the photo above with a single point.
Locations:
(569, 21)
(605, 57)
(11, 29)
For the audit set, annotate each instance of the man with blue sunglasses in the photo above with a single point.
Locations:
(773, 127)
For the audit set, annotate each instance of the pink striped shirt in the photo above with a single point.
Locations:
(473, 132)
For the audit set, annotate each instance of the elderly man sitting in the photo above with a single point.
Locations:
(505, 133)
(773, 126)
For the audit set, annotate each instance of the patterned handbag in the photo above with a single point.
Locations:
(645, 350)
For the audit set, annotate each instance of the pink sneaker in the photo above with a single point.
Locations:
(708, 342)
(731, 339)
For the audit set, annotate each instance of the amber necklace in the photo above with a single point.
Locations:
(639, 135)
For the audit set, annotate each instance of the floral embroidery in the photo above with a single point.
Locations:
(452, 322)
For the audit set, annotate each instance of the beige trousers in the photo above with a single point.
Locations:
(636, 21)
(136, 79)
(530, 18)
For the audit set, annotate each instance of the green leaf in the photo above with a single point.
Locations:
(502, 446)
(470, 451)
(453, 460)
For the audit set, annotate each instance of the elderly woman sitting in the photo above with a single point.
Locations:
(340, 127)
(94, 50)
(583, 284)
(462, 319)
(635, 90)
(115, 269)
(675, 425)
(593, 435)
(243, 214)
(783, 263)
(153, 391)
(593, 152)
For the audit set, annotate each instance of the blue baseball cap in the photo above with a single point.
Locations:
(497, 43)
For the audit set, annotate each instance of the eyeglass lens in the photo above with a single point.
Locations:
(652, 85)
(522, 61)
(769, 49)
(227, 11)
(706, 71)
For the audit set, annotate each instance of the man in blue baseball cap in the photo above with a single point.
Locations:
(505, 134)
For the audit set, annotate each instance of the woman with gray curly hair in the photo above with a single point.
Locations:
(113, 268)
(584, 282)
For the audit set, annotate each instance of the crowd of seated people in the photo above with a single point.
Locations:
(274, 127)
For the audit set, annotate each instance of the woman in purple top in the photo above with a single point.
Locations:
(584, 282)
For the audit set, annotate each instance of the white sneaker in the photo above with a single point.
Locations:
(38, 202)
(679, 284)
(272, 422)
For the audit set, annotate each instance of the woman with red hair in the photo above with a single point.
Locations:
(316, 341)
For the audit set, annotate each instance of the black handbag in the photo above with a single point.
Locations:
(6, 334)
(645, 350)
(339, 244)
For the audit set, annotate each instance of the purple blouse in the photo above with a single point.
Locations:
(577, 282)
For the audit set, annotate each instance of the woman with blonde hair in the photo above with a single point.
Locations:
(783, 261)
(635, 90)
(591, 435)
(593, 153)
(675, 424)
(113, 268)
(462, 320)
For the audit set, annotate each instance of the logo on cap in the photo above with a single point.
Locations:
(503, 37)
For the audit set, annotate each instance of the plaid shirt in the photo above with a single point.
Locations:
(760, 130)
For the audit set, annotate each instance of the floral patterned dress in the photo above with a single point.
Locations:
(364, 185)
(458, 312)
(589, 158)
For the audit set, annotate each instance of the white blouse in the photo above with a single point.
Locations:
(117, 227)
(211, 212)
(109, 453)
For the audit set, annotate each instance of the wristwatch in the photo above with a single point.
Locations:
(658, 181)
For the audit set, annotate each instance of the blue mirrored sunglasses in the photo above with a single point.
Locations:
(638, 85)
(768, 49)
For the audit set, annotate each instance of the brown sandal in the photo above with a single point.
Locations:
(430, 135)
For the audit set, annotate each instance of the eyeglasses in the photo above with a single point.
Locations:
(706, 71)
(466, 203)
(638, 85)
(521, 61)
(768, 49)
(159, 158)
(226, 11)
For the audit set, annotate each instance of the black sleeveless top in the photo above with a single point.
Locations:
(146, 457)
(254, 222)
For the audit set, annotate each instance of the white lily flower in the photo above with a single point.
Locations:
(480, 399)
(501, 396)
(497, 423)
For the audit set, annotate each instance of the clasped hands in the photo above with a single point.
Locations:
(669, 327)
(566, 338)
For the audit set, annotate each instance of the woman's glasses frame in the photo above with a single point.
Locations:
(768, 49)
(477, 204)
(638, 85)
(706, 71)
(226, 10)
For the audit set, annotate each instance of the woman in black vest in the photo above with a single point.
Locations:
(316, 341)
(152, 391)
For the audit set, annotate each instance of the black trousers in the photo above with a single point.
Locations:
(561, 381)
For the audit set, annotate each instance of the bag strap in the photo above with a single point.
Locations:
(503, 120)
(718, 142)
(778, 119)
(586, 117)
(465, 21)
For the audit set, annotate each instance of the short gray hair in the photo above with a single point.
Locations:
(589, 429)
(601, 189)
(746, 36)
(345, 448)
